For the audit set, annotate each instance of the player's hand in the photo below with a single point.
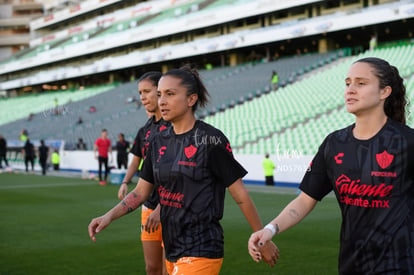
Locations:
(96, 157)
(123, 190)
(97, 225)
(153, 221)
(270, 253)
(256, 241)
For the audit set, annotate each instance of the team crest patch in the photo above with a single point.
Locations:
(384, 159)
(190, 151)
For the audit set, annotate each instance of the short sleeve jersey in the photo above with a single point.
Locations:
(140, 147)
(191, 172)
(103, 146)
(373, 181)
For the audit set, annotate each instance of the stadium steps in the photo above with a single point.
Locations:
(60, 42)
(99, 31)
(245, 82)
(147, 18)
(306, 135)
(76, 38)
(205, 4)
(19, 54)
(311, 105)
(172, 12)
(44, 124)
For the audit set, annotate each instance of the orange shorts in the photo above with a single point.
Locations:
(145, 236)
(194, 266)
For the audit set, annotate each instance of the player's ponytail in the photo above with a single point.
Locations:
(190, 78)
(396, 103)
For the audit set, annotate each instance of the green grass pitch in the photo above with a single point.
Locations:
(44, 221)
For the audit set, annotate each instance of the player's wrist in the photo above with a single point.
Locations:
(272, 228)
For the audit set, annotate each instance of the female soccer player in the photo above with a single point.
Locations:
(151, 234)
(191, 165)
(370, 167)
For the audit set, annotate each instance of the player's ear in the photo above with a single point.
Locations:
(386, 92)
(192, 100)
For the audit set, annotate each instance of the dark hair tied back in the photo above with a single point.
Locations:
(190, 78)
(388, 75)
(152, 76)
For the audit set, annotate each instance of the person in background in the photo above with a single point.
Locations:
(24, 135)
(275, 80)
(43, 151)
(268, 167)
(55, 160)
(81, 146)
(369, 166)
(101, 149)
(92, 109)
(29, 154)
(30, 117)
(3, 151)
(122, 147)
(373, 42)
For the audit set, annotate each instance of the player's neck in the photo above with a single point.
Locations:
(157, 115)
(367, 127)
(184, 124)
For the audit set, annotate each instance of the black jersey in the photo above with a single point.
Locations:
(122, 148)
(43, 152)
(191, 172)
(373, 181)
(140, 147)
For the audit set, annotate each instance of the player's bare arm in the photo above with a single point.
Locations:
(269, 251)
(242, 198)
(292, 214)
(95, 148)
(132, 201)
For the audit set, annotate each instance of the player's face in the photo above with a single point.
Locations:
(173, 99)
(363, 94)
(148, 95)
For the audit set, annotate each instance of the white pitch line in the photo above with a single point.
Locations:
(46, 185)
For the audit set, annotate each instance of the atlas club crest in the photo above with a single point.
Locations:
(190, 151)
(384, 159)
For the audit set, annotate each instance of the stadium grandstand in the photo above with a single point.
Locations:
(85, 54)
